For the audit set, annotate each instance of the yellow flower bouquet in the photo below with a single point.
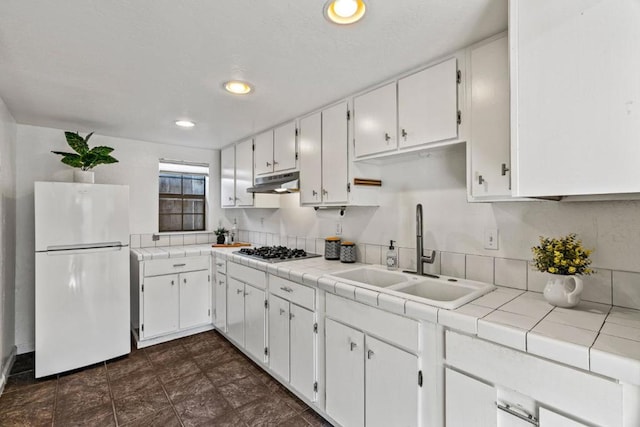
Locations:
(565, 255)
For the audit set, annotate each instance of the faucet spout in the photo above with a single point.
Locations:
(420, 257)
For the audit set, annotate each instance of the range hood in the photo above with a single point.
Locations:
(276, 184)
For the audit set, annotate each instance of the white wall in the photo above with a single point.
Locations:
(137, 167)
(451, 224)
(7, 235)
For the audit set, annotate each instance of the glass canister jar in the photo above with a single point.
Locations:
(332, 248)
(348, 252)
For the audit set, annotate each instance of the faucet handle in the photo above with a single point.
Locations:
(430, 258)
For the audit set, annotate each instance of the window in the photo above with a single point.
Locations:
(182, 196)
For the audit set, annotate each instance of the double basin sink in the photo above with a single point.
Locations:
(440, 291)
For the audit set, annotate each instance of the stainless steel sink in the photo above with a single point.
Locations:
(440, 291)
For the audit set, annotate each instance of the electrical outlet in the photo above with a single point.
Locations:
(491, 238)
(338, 228)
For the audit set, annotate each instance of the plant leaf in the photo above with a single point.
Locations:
(86, 139)
(72, 160)
(106, 160)
(62, 153)
(76, 142)
(101, 150)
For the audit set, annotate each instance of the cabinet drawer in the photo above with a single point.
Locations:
(391, 327)
(221, 266)
(292, 291)
(157, 267)
(249, 275)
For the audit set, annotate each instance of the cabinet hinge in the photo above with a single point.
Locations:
(297, 130)
(348, 187)
(315, 386)
(459, 117)
(266, 304)
(348, 115)
(315, 328)
(142, 327)
(459, 76)
(208, 277)
(266, 351)
(296, 156)
(253, 146)
(419, 378)
(142, 287)
(209, 312)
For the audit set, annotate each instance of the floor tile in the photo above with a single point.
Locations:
(186, 387)
(314, 419)
(80, 414)
(203, 409)
(178, 369)
(243, 391)
(132, 364)
(164, 418)
(133, 383)
(141, 405)
(270, 410)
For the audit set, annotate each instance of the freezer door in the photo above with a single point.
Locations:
(68, 214)
(82, 308)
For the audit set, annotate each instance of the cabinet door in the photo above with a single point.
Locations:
(254, 321)
(244, 172)
(310, 159)
(263, 153)
(279, 336)
(303, 350)
(335, 159)
(489, 108)
(235, 310)
(220, 320)
(344, 371)
(228, 176)
(284, 147)
(195, 299)
(160, 304)
(575, 97)
(389, 368)
(549, 418)
(468, 402)
(428, 105)
(375, 121)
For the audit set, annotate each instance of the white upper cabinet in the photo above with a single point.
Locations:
(488, 146)
(375, 121)
(428, 105)
(244, 172)
(575, 91)
(311, 159)
(335, 157)
(263, 154)
(276, 150)
(228, 176)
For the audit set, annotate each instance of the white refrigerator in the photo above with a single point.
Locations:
(82, 275)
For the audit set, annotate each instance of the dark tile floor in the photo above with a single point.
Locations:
(193, 381)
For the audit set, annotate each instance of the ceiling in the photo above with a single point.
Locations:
(131, 68)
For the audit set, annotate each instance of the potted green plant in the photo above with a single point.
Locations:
(84, 158)
(221, 232)
(565, 258)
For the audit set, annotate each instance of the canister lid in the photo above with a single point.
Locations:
(332, 239)
(348, 244)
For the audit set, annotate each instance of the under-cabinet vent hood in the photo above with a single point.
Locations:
(277, 184)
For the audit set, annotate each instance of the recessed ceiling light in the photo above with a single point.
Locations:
(238, 87)
(185, 123)
(344, 11)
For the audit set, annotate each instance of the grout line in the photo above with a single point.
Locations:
(113, 400)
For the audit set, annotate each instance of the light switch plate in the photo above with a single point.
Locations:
(491, 238)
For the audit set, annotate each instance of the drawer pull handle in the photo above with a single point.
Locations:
(172, 283)
(239, 291)
(179, 265)
(291, 316)
(286, 289)
(370, 354)
(185, 280)
(523, 415)
(281, 311)
(352, 345)
(221, 282)
(219, 265)
(246, 293)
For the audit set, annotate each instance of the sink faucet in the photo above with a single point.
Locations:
(420, 257)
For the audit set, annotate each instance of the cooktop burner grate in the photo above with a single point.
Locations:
(275, 253)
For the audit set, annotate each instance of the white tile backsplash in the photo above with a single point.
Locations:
(189, 239)
(134, 241)
(598, 286)
(406, 258)
(511, 273)
(452, 264)
(146, 241)
(626, 289)
(479, 268)
(373, 254)
(176, 240)
(536, 280)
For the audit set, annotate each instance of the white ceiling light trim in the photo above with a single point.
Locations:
(237, 87)
(344, 12)
(185, 123)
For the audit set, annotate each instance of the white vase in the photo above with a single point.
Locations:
(563, 291)
(86, 177)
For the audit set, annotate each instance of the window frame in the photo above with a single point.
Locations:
(182, 196)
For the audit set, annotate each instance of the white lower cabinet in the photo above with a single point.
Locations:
(368, 381)
(468, 402)
(246, 317)
(220, 292)
(171, 298)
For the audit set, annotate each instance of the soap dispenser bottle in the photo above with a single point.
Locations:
(392, 257)
(234, 231)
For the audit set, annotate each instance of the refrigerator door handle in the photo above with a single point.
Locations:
(85, 250)
(85, 246)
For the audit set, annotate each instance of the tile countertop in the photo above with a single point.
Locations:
(595, 337)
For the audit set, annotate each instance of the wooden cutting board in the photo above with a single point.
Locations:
(231, 245)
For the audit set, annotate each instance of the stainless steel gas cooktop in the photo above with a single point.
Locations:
(274, 254)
